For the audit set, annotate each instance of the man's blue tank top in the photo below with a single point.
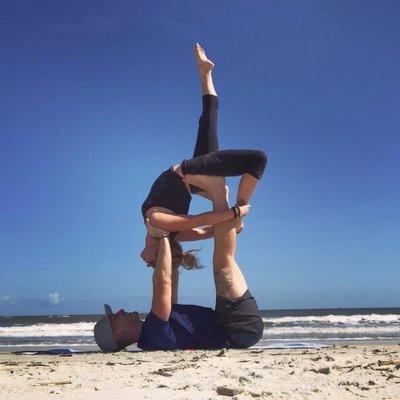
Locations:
(188, 327)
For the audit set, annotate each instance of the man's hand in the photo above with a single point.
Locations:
(155, 232)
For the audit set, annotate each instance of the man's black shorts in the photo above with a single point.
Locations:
(240, 319)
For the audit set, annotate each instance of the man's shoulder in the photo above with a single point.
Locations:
(152, 318)
(155, 334)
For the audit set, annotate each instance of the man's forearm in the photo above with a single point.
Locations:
(175, 285)
(162, 281)
(163, 267)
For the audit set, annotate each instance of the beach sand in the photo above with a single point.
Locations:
(338, 372)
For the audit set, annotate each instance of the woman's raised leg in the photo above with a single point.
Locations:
(207, 138)
(207, 160)
(250, 164)
(205, 67)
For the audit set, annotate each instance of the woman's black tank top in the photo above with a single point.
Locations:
(168, 191)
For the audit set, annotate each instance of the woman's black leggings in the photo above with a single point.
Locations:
(208, 160)
(207, 138)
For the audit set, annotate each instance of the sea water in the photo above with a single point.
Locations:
(319, 326)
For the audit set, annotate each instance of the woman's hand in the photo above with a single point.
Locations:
(155, 232)
(244, 210)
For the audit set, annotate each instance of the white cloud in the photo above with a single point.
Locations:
(5, 299)
(54, 298)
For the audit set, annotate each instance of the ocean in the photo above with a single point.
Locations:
(318, 326)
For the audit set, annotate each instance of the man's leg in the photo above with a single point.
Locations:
(236, 309)
(229, 280)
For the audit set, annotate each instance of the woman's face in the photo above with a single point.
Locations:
(149, 253)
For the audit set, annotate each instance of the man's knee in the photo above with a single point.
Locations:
(223, 260)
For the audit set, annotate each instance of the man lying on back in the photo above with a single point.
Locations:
(235, 322)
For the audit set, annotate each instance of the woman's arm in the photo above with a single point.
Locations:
(191, 235)
(203, 233)
(180, 222)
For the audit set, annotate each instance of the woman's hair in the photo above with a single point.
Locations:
(186, 259)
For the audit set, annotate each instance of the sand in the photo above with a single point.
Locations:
(338, 372)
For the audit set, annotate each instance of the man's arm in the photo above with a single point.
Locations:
(162, 281)
(175, 285)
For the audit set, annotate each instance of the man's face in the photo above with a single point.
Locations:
(123, 322)
(149, 253)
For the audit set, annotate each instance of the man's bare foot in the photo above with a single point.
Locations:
(203, 63)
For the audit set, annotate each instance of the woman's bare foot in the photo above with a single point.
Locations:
(214, 185)
(204, 64)
(239, 225)
(227, 193)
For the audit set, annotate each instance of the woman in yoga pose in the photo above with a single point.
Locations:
(167, 205)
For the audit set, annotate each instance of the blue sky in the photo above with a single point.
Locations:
(99, 97)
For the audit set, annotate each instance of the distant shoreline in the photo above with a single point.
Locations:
(306, 311)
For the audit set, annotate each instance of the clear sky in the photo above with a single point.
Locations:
(98, 97)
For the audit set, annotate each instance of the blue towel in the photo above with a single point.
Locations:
(293, 345)
(52, 351)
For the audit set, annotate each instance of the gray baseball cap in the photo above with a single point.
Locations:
(103, 333)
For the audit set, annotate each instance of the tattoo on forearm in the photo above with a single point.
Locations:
(223, 281)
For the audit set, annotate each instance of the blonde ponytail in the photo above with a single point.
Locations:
(186, 259)
(190, 261)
